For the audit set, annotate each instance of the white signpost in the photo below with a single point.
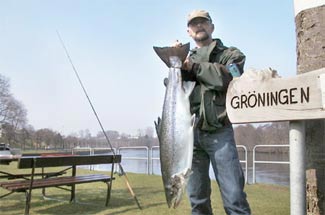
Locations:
(256, 98)
(261, 97)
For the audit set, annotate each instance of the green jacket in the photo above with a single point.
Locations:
(208, 98)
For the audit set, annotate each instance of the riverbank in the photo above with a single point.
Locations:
(264, 199)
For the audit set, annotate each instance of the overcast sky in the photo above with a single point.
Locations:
(110, 43)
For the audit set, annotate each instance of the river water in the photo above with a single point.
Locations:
(136, 161)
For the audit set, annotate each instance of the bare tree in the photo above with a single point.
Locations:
(149, 132)
(4, 86)
(140, 132)
(247, 135)
(8, 134)
(13, 115)
(4, 98)
(112, 135)
(16, 114)
(25, 138)
(275, 133)
(14, 118)
(59, 141)
(71, 141)
(47, 138)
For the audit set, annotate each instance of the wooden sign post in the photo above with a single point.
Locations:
(262, 97)
(256, 98)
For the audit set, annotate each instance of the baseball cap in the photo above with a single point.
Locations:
(198, 13)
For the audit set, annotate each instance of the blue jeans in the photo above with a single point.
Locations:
(219, 148)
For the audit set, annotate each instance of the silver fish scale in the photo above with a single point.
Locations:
(176, 138)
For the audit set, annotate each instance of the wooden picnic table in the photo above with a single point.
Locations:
(50, 180)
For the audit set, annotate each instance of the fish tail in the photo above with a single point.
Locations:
(166, 52)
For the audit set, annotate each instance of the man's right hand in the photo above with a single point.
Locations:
(188, 64)
(177, 44)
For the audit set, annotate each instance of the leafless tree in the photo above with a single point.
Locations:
(112, 135)
(4, 97)
(246, 135)
(149, 132)
(13, 115)
(250, 135)
(16, 114)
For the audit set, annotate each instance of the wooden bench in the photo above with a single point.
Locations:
(10, 176)
(71, 162)
(26, 176)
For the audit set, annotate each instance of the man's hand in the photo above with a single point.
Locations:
(177, 44)
(188, 64)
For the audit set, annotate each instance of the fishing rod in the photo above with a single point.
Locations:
(99, 122)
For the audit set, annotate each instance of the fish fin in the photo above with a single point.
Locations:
(193, 120)
(188, 87)
(157, 126)
(187, 174)
(166, 81)
(166, 52)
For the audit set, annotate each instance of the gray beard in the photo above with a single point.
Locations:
(201, 37)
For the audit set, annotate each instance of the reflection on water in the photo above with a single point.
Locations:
(268, 173)
(265, 173)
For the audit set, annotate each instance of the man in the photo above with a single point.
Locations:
(213, 136)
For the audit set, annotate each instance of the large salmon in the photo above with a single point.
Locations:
(175, 128)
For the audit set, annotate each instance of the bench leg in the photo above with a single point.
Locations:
(43, 193)
(73, 186)
(73, 193)
(28, 200)
(108, 195)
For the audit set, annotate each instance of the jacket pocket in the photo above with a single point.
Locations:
(214, 110)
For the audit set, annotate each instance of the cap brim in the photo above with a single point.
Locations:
(190, 20)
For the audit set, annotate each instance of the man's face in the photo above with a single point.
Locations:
(200, 29)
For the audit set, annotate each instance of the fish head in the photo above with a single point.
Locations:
(175, 189)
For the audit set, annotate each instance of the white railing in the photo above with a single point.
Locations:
(150, 158)
(265, 162)
(153, 148)
(238, 146)
(92, 151)
(136, 158)
(81, 149)
(103, 149)
(244, 161)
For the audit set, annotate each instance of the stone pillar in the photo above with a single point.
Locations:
(310, 32)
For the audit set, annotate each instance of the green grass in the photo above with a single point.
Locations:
(264, 199)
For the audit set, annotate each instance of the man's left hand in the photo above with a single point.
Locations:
(188, 64)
